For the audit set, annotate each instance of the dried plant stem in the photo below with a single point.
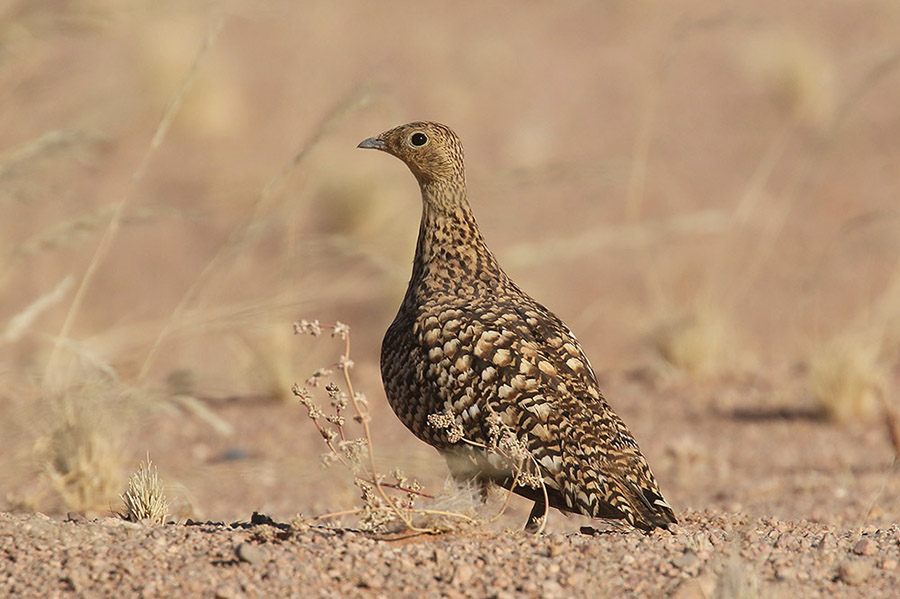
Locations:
(506, 500)
(364, 420)
(546, 506)
(371, 480)
(357, 511)
(380, 507)
(878, 492)
(509, 492)
(363, 464)
(892, 421)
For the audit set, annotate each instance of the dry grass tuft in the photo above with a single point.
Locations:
(695, 343)
(847, 379)
(145, 500)
(81, 454)
(268, 356)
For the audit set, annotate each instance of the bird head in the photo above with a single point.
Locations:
(431, 151)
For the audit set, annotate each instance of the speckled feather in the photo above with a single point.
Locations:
(468, 342)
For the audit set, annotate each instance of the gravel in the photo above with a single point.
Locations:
(710, 554)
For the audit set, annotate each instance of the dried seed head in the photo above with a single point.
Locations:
(353, 452)
(399, 476)
(318, 375)
(441, 420)
(335, 419)
(333, 391)
(305, 327)
(328, 459)
(340, 402)
(449, 422)
(455, 433)
(531, 479)
(299, 524)
(340, 330)
(305, 397)
(512, 447)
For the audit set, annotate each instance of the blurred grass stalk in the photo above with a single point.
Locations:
(52, 372)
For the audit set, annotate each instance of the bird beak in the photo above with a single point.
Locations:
(373, 143)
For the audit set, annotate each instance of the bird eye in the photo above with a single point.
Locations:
(418, 139)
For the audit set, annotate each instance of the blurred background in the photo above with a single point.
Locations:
(708, 193)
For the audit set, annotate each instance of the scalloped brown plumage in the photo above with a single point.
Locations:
(476, 368)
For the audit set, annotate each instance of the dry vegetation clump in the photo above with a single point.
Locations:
(81, 453)
(847, 379)
(145, 500)
(695, 343)
(268, 357)
(848, 376)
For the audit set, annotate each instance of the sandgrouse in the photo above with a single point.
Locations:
(492, 379)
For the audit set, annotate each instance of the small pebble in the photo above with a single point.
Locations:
(250, 553)
(785, 573)
(235, 453)
(702, 541)
(864, 547)
(551, 589)
(889, 564)
(854, 572)
(783, 541)
(553, 549)
(226, 592)
(826, 542)
(464, 574)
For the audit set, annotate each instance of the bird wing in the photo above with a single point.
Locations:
(543, 390)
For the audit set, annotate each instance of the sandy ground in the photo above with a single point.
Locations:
(709, 554)
(796, 507)
(706, 193)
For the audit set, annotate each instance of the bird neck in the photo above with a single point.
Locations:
(451, 252)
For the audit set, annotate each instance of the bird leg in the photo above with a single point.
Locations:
(537, 519)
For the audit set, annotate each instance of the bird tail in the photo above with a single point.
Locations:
(649, 509)
(632, 492)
